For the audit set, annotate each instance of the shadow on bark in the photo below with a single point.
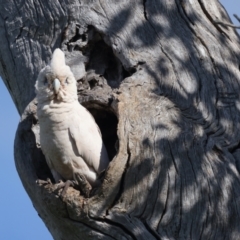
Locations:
(162, 81)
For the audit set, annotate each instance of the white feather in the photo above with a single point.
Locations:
(58, 61)
(69, 136)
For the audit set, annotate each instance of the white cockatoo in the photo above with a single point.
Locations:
(69, 136)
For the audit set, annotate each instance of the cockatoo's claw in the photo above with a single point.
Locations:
(38, 182)
(65, 187)
(59, 185)
(43, 182)
(49, 181)
(80, 183)
(83, 184)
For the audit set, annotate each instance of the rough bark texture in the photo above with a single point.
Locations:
(162, 80)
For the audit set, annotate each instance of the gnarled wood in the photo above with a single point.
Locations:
(162, 80)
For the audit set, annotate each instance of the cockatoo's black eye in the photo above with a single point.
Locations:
(66, 81)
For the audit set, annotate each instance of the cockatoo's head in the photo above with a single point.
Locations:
(56, 81)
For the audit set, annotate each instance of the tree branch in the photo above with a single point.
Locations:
(228, 24)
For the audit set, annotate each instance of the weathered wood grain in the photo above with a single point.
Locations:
(162, 80)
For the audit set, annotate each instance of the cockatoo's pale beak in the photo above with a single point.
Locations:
(56, 85)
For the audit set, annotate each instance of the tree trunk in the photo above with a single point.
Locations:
(162, 80)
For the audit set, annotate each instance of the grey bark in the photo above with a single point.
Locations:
(162, 80)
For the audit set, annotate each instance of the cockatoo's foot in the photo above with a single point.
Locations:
(57, 186)
(80, 183)
(64, 186)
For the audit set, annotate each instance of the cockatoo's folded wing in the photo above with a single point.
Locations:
(86, 140)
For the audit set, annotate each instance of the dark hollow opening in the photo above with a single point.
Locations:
(100, 56)
(107, 122)
(104, 63)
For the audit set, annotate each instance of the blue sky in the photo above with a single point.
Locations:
(19, 220)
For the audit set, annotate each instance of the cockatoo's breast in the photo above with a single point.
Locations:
(54, 120)
(65, 152)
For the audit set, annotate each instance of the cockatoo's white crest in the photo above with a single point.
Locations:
(58, 61)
